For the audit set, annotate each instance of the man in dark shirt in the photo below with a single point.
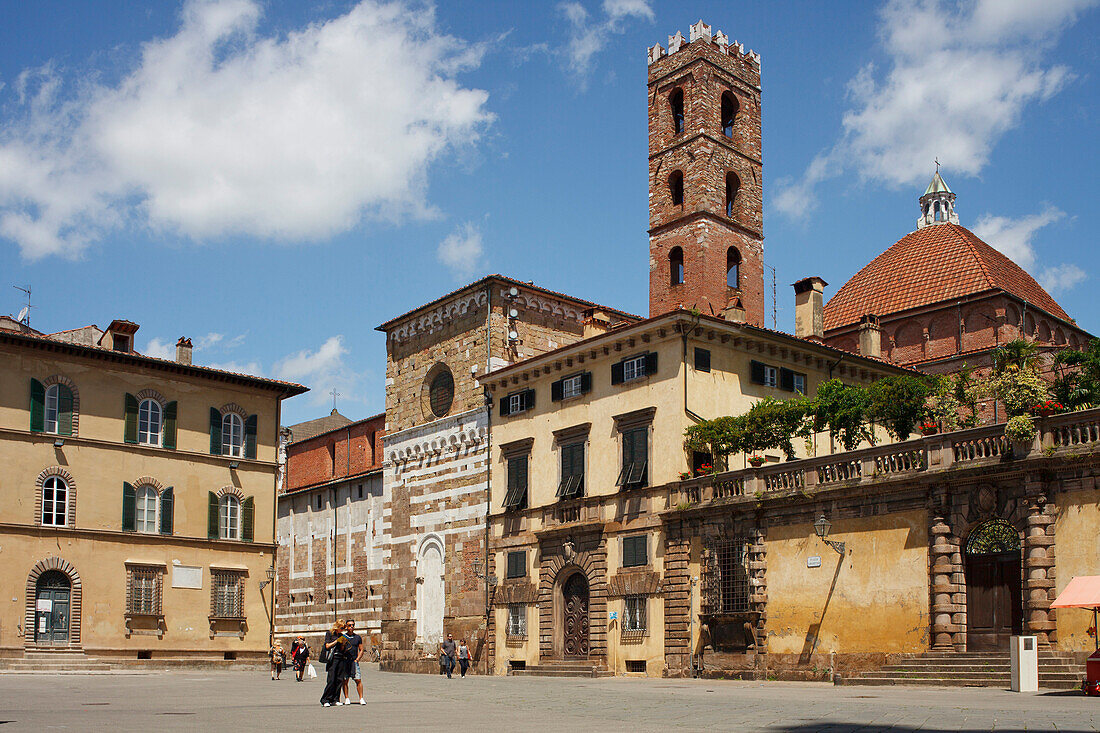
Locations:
(353, 652)
(447, 654)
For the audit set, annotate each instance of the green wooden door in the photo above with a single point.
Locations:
(51, 617)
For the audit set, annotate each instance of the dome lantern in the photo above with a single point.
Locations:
(937, 205)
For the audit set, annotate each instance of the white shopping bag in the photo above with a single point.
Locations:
(312, 672)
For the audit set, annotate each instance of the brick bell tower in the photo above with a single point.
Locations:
(706, 239)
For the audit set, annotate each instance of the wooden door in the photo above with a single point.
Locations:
(575, 606)
(994, 603)
(52, 609)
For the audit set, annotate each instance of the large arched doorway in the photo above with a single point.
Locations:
(575, 616)
(52, 600)
(430, 593)
(994, 603)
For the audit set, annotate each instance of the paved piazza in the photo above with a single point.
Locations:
(238, 701)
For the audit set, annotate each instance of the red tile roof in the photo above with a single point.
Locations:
(938, 263)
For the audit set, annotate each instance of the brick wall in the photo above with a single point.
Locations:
(348, 451)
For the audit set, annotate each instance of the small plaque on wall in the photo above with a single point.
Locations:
(187, 576)
(813, 562)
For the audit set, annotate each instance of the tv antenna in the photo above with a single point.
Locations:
(775, 305)
(24, 316)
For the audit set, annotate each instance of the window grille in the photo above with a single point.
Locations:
(634, 621)
(517, 620)
(227, 590)
(145, 591)
(726, 577)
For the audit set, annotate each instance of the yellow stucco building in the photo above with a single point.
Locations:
(138, 499)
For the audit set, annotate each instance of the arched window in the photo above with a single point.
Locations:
(51, 407)
(232, 435)
(733, 185)
(149, 422)
(229, 518)
(676, 188)
(729, 112)
(145, 510)
(55, 502)
(57, 415)
(936, 210)
(733, 268)
(676, 266)
(676, 106)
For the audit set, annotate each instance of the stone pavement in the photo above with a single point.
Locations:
(243, 701)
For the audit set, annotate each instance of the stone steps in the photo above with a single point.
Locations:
(971, 669)
(563, 669)
(53, 660)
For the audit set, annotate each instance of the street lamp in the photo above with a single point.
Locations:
(822, 527)
(270, 578)
(270, 572)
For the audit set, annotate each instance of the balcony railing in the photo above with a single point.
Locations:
(1071, 431)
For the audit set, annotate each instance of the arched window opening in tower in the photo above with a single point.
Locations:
(676, 266)
(733, 184)
(733, 268)
(936, 208)
(676, 188)
(730, 107)
(676, 104)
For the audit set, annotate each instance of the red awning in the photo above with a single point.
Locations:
(1082, 592)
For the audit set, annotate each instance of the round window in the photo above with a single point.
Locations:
(441, 392)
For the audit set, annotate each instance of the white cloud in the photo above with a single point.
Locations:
(461, 250)
(1013, 236)
(220, 130)
(958, 77)
(588, 36)
(160, 349)
(210, 339)
(322, 371)
(253, 368)
(1060, 278)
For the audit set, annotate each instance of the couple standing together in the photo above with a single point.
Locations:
(341, 653)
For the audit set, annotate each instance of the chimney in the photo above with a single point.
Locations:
(596, 322)
(183, 351)
(809, 308)
(734, 312)
(870, 336)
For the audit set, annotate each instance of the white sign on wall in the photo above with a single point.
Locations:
(187, 576)
(44, 604)
(813, 562)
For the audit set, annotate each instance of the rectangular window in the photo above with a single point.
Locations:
(634, 368)
(227, 594)
(635, 457)
(517, 402)
(771, 376)
(635, 551)
(516, 496)
(634, 614)
(517, 620)
(799, 383)
(702, 360)
(571, 387)
(726, 577)
(145, 591)
(572, 471)
(517, 564)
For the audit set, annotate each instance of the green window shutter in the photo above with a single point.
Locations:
(248, 516)
(586, 382)
(170, 425)
(757, 370)
(64, 410)
(215, 432)
(129, 507)
(250, 437)
(556, 391)
(38, 406)
(129, 433)
(786, 379)
(651, 363)
(617, 373)
(212, 517)
(167, 500)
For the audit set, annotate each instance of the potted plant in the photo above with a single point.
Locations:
(1021, 432)
(756, 460)
(929, 428)
(685, 475)
(1046, 408)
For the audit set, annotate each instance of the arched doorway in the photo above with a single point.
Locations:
(52, 598)
(430, 593)
(994, 603)
(575, 616)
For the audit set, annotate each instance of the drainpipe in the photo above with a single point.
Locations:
(488, 456)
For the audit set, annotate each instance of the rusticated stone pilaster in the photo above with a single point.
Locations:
(1039, 571)
(677, 596)
(758, 580)
(948, 589)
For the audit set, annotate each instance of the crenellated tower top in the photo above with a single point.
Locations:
(701, 31)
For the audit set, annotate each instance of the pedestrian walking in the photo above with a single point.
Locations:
(299, 656)
(463, 657)
(278, 659)
(332, 655)
(354, 651)
(447, 654)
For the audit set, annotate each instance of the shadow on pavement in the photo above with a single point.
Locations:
(824, 727)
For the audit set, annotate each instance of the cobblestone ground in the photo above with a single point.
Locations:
(197, 701)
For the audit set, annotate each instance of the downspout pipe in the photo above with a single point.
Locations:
(488, 455)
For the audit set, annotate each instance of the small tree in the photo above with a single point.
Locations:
(773, 424)
(843, 410)
(898, 403)
(719, 437)
(1016, 355)
(1079, 388)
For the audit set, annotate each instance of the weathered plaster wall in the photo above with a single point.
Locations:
(882, 581)
(1077, 533)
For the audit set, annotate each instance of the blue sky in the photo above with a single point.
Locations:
(275, 179)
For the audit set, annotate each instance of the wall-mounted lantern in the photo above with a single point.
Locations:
(822, 527)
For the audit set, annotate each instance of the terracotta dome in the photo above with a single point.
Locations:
(937, 263)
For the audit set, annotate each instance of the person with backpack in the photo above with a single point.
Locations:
(278, 659)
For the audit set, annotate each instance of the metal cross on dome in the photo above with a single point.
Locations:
(334, 394)
(937, 161)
